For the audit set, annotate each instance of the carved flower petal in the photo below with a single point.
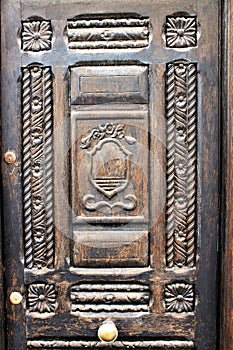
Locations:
(44, 44)
(45, 26)
(189, 40)
(28, 28)
(171, 23)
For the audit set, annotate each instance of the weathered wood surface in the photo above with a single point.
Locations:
(226, 292)
(11, 174)
(2, 299)
(118, 148)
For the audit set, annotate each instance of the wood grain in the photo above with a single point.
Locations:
(2, 300)
(11, 176)
(123, 243)
(226, 291)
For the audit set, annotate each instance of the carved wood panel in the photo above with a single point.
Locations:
(37, 111)
(109, 127)
(108, 32)
(113, 141)
(181, 108)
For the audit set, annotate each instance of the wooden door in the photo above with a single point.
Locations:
(110, 120)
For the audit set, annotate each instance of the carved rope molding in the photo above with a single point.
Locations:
(78, 344)
(181, 112)
(38, 166)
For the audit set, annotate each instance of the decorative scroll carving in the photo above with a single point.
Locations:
(181, 109)
(108, 33)
(181, 32)
(90, 203)
(179, 297)
(36, 35)
(110, 298)
(42, 298)
(79, 344)
(107, 130)
(37, 166)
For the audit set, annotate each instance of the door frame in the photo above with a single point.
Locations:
(226, 241)
(225, 312)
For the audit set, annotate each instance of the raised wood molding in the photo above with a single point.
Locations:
(226, 319)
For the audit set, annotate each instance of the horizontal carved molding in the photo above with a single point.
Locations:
(155, 345)
(108, 33)
(110, 298)
(181, 113)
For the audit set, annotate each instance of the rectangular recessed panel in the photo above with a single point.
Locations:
(109, 84)
(110, 249)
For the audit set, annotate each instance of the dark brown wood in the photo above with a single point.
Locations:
(11, 175)
(2, 299)
(112, 207)
(226, 292)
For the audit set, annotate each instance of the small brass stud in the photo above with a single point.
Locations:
(16, 298)
(10, 157)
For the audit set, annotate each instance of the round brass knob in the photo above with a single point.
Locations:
(108, 332)
(10, 157)
(16, 298)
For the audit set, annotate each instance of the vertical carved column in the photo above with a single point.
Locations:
(38, 166)
(181, 112)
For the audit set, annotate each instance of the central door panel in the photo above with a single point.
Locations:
(110, 173)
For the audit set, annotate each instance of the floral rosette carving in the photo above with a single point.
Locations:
(42, 298)
(36, 36)
(179, 297)
(181, 32)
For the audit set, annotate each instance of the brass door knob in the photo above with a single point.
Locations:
(108, 332)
